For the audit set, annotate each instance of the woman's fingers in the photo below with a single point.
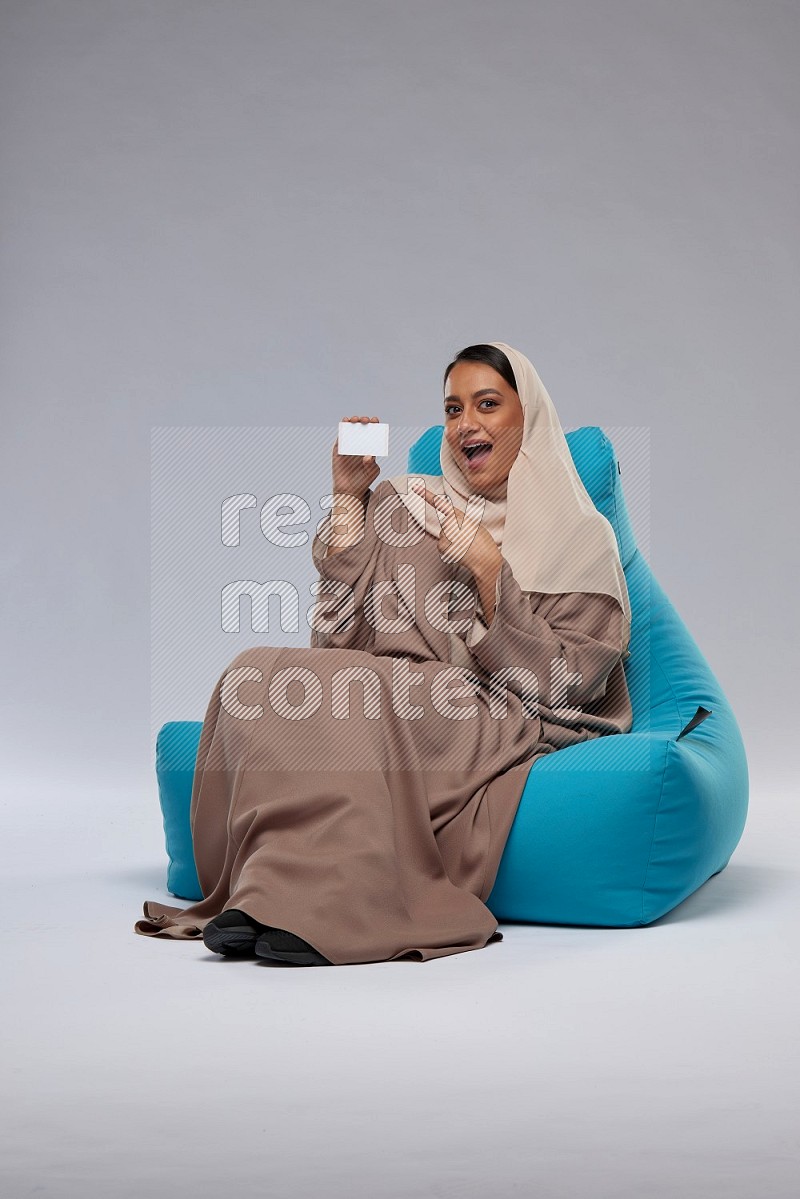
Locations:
(452, 517)
(422, 490)
(458, 529)
(443, 504)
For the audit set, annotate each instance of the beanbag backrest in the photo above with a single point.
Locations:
(618, 830)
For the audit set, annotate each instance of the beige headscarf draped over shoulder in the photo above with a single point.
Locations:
(546, 527)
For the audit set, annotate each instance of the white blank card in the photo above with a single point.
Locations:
(356, 437)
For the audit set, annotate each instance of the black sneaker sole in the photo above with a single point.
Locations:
(229, 940)
(298, 958)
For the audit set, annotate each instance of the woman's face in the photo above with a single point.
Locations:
(479, 406)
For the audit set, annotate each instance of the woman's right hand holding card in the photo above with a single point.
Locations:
(353, 474)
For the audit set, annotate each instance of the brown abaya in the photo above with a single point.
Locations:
(375, 832)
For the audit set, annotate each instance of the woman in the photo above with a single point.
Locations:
(482, 615)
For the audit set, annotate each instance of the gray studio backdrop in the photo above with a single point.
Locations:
(238, 215)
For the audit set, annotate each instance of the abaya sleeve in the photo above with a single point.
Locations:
(339, 621)
(575, 637)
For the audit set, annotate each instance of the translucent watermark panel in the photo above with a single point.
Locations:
(244, 627)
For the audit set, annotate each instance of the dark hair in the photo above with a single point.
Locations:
(491, 356)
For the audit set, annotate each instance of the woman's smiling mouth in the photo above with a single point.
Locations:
(476, 453)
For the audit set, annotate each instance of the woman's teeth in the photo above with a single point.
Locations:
(477, 452)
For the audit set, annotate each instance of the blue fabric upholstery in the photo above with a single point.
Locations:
(611, 832)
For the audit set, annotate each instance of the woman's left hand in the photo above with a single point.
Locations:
(463, 539)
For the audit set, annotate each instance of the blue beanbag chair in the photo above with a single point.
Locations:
(611, 832)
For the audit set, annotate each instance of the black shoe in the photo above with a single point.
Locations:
(232, 932)
(276, 943)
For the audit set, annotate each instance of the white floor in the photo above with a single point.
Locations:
(560, 1062)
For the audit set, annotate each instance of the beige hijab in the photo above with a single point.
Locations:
(547, 527)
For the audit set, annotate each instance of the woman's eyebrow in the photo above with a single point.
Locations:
(485, 391)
